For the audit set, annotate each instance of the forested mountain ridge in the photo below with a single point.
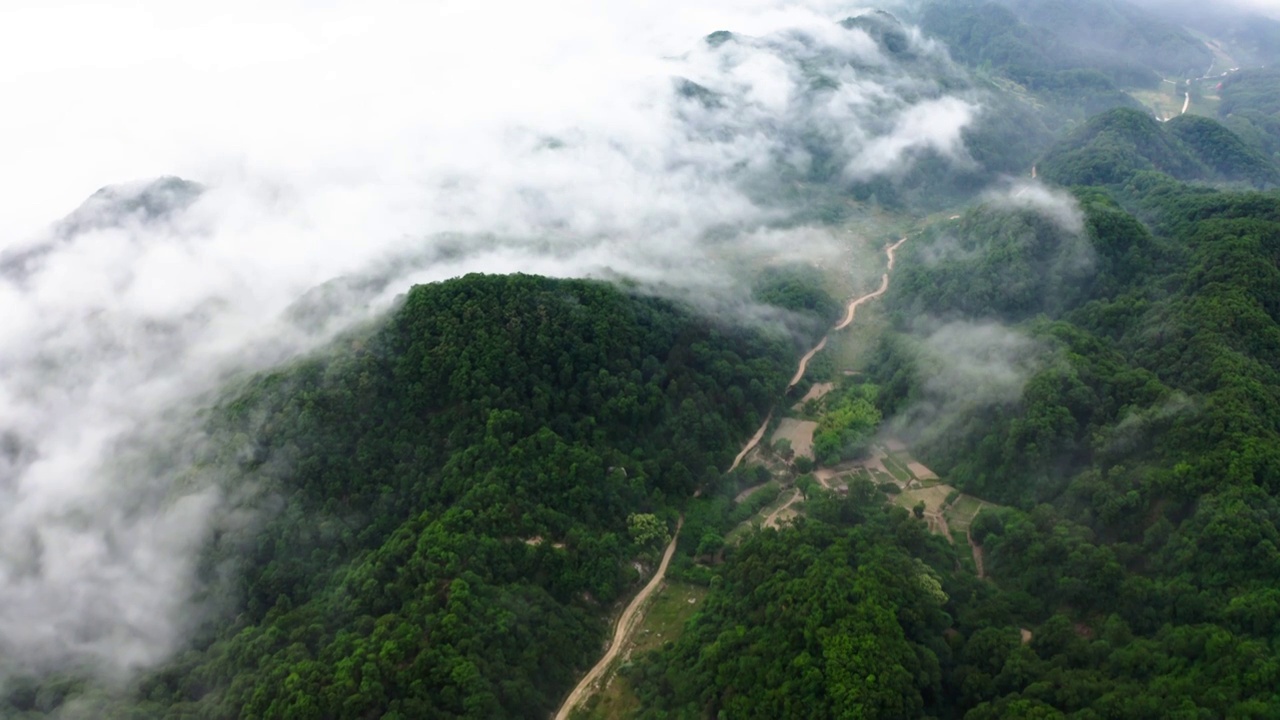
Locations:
(1250, 107)
(436, 513)
(1074, 82)
(1145, 456)
(1111, 146)
(449, 500)
(1132, 571)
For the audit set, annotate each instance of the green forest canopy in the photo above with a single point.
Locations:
(446, 502)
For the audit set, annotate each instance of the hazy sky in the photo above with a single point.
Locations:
(331, 93)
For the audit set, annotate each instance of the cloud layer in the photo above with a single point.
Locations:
(391, 140)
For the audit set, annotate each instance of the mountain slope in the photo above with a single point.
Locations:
(444, 503)
(1112, 146)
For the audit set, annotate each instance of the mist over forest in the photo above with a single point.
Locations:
(367, 360)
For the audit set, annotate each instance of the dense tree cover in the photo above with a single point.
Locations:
(1224, 152)
(798, 287)
(1119, 28)
(994, 262)
(1141, 455)
(1251, 108)
(1076, 82)
(835, 618)
(451, 500)
(1133, 572)
(847, 424)
(858, 612)
(1111, 147)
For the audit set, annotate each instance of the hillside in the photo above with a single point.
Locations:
(891, 363)
(1110, 147)
(1251, 109)
(447, 501)
(1123, 412)
(1073, 81)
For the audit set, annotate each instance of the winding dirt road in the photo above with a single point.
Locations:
(755, 440)
(631, 615)
(626, 623)
(804, 361)
(884, 286)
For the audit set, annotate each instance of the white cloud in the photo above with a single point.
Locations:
(930, 125)
(341, 137)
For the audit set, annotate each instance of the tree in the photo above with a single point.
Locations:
(806, 484)
(647, 530)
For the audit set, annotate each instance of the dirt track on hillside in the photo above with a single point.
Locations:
(631, 615)
(622, 631)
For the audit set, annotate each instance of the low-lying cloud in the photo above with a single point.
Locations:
(407, 142)
(965, 367)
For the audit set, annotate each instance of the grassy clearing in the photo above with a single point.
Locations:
(933, 497)
(964, 510)
(1161, 100)
(664, 620)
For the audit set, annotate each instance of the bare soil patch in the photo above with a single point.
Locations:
(920, 471)
(799, 432)
(783, 513)
(817, 392)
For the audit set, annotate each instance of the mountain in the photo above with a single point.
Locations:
(1113, 145)
(1249, 107)
(444, 499)
(116, 206)
(1124, 434)
(1119, 29)
(1074, 81)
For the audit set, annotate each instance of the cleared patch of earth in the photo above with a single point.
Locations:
(799, 432)
(921, 472)
(777, 517)
(817, 392)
